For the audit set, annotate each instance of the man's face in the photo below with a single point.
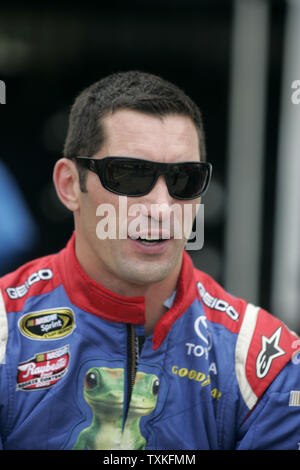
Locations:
(172, 138)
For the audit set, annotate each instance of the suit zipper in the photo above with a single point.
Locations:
(131, 364)
(134, 358)
(134, 348)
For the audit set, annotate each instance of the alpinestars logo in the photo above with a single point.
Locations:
(269, 351)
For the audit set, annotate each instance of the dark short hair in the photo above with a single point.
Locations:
(134, 90)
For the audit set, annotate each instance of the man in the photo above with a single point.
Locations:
(118, 342)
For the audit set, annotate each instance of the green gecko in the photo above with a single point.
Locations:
(104, 393)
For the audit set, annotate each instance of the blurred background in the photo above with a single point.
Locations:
(236, 59)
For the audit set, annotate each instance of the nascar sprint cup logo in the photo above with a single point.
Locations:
(47, 324)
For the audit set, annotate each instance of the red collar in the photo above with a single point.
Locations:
(97, 300)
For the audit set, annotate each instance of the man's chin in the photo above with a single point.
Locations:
(150, 270)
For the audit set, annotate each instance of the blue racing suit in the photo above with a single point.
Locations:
(78, 372)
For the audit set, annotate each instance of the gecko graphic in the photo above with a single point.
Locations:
(104, 393)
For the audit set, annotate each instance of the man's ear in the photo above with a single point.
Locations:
(66, 182)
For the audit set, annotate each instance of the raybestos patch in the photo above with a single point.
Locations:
(43, 370)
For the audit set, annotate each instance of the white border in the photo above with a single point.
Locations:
(241, 353)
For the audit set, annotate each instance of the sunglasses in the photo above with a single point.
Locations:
(136, 177)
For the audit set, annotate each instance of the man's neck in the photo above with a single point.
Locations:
(154, 304)
(155, 294)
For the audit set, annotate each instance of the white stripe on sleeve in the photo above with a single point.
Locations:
(241, 353)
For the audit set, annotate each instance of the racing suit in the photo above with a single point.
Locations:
(77, 370)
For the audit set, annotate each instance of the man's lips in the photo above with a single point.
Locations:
(150, 247)
(151, 236)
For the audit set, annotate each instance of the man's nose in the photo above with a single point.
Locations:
(157, 203)
(159, 196)
(159, 193)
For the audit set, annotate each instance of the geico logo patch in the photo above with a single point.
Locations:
(217, 304)
(20, 291)
(43, 370)
(48, 324)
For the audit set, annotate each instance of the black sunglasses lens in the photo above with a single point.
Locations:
(187, 181)
(135, 177)
(128, 177)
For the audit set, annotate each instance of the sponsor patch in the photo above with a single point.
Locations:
(217, 304)
(269, 351)
(43, 370)
(47, 324)
(18, 292)
(201, 329)
(198, 376)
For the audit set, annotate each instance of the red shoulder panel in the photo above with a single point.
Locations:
(33, 278)
(271, 348)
